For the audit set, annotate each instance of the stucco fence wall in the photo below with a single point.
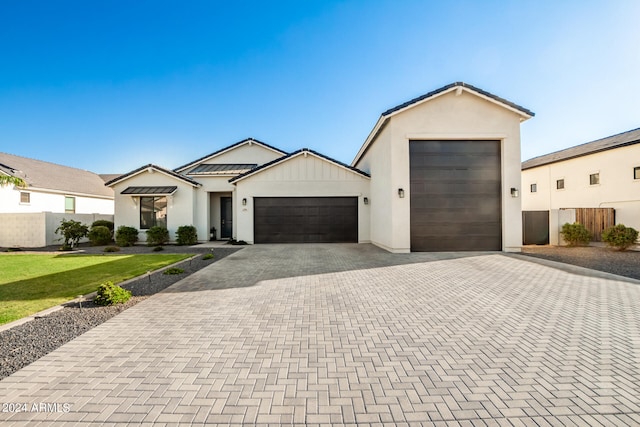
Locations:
(35, 230)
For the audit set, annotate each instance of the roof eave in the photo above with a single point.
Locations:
(146, 168)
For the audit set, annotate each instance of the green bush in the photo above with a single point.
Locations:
(109, 294)
(173, 270)
(126, 236)
(157, 236)
(620, 236)
(576, 234)
(72, 231)
(207, 256)
(104, 223)
(186, 235)
(99, 235)
(112, 249)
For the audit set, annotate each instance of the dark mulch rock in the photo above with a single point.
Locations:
(26, 343)
(622, 263)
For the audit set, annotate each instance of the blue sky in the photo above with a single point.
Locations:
(109, 86)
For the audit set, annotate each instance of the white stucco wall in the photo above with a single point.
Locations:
(44, 201)
(617, 189)
(180, 207)
(300, 176)
(449, 116)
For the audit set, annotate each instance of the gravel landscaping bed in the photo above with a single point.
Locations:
(622, 263)
(26, 343)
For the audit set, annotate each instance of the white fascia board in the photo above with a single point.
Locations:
(372, 135)
(146, 169)
(68, 193)
(302, 153)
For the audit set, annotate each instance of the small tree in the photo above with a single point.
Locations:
(157, 235)
(186, 235)
(576, 234)
(620, 236)
(9, 180)
(72, 231)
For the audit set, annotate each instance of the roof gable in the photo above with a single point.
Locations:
(457, 87)
(150, 168)
(623, 139)
(209, 157)
(302, 152)
(42, 175)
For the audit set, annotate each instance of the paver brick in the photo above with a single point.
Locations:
(346, 334)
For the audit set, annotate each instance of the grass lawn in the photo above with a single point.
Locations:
(31, 283)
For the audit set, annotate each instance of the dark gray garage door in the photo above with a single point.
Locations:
(455, 195)
(305, 219)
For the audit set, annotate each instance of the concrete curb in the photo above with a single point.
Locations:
(87, 297)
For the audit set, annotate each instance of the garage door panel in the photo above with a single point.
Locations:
(455, 192)
(305, 219)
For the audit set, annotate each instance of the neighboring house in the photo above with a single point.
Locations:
(600, 174)
(29, 215)
(436, 173)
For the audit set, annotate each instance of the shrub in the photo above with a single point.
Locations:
(112, 249)
(109, 294)
(236, 242)
(620, 236)
(72, 231)
(103, 223)
(99, 235)
(207, 256)
(158, 249)
(173, 270)
(126, 236)
(576, 234)
(186, 235)
(157, 236)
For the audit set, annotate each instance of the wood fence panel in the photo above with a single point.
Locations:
(596, 220)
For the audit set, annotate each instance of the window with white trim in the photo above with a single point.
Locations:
(25, 198)
(560, 184)
(69, 204)
(594, 178)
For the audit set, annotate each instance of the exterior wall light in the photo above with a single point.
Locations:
(514, 192)
(401, 193)
(244, 202)
(366, 200)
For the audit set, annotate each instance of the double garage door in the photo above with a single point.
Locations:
(455, 195)
(305, 219)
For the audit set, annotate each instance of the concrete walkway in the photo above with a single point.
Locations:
(346, 334)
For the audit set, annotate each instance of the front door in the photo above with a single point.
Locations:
(226, 218)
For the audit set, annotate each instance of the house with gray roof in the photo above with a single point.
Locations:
(30, 214)
(436, 173)
(604, 173)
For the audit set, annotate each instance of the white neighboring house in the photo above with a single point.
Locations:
(29, 215)
(437, 173)
(600, 174)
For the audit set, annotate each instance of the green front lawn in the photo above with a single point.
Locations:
(31, 283)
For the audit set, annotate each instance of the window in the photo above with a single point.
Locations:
(560, 184)
(594, 179)
(69, 204)
(25, 197)
(534, 188)
(153, 211)
(636, 172)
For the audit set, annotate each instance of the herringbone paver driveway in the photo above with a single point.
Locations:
(348, 334)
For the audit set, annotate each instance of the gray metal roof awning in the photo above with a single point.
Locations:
(154, 191)
(221, 168)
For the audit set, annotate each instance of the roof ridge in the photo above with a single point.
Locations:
(43, 161)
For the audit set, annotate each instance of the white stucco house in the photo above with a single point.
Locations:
(29, 215)
(440, 172)
(604, 173)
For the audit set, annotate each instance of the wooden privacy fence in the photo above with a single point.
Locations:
(596, 220)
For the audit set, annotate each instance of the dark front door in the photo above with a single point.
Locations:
(226, 218)
(305, 219)
(455, 196)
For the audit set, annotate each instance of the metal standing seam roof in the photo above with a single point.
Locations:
(152, 166)
(149, 190)
(50, 176)
(222, 168)
(609, 143)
